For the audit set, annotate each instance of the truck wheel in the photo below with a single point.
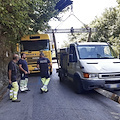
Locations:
(78, 87)
(61, 75)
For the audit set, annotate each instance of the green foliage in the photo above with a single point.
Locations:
(22, 17)
(118, 1)
(75, 37)
(106, 25)
(108, 28)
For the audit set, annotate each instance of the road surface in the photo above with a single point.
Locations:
(60, 103)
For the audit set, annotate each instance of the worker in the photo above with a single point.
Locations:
(12, 76)
(43, 63)
(23, 66)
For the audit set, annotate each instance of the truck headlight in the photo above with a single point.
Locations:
(90, 75)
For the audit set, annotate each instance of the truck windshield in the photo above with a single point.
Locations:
(35, 45)
(96, 52)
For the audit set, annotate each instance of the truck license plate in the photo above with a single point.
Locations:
(113, 86)
(35, 58)
(36, 69)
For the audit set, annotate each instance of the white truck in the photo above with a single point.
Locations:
(89, 65)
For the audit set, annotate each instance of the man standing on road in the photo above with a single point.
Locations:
(24, 73)
(43, 63)
(12, 76)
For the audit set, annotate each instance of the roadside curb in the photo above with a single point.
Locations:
(3, 91)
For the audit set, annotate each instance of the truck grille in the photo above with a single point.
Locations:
(109, 75)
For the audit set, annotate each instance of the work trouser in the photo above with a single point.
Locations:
(45, 82)
(14, 91)
(23, 84)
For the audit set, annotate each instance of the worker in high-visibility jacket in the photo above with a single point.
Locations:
(12, 76)
(43, 63)
(24, 73)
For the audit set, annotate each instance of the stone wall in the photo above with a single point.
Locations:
(5, 57)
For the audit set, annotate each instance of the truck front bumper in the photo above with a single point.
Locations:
(92, 84)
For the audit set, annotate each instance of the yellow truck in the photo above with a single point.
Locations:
(32, 45)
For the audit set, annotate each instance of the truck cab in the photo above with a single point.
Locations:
(90, 65)
(32, 46)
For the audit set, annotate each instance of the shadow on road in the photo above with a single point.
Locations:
(34, 74)
(70, 86)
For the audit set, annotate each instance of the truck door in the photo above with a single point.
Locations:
(71, 68)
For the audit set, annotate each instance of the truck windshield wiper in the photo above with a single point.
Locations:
(107, 57)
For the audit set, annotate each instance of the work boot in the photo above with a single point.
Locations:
(16, 100)
(27, 90)
(46, 91)
(41, 91)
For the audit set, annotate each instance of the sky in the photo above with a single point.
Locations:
(85, 11)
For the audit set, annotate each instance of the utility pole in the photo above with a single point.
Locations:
(54, 40)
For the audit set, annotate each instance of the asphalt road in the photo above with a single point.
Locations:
(60, 103)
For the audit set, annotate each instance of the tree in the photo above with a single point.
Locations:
(108, 28)
(105, 25)
(20, 17)
(75, 37)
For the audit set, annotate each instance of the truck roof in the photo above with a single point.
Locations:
(92, 43)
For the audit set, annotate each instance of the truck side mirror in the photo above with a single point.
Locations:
(53, 46)
(71, 59)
